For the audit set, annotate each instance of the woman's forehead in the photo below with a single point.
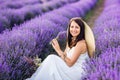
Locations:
(74, 23)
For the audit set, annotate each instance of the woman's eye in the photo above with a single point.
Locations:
(77, 27)
(71, 26)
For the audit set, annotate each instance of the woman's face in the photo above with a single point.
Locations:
(74, 29)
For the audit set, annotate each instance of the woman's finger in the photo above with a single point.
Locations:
(53, 42)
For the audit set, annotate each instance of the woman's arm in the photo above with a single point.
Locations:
(79, 49)
(66, 49)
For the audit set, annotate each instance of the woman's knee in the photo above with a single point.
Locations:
(51, 56)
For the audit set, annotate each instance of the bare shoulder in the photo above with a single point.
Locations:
(81, 42)
(82, 45)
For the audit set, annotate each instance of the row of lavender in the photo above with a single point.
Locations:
(15, 4)
(30, 38)
(9, 17)
(106, 65)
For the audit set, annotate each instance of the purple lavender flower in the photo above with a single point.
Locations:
(105, 65)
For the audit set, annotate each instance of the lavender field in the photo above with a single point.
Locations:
(27, 27)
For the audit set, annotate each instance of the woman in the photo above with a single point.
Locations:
(69, 64)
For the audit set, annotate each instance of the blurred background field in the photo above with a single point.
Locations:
(28, 26)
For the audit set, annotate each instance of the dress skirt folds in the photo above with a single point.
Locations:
(54, 68)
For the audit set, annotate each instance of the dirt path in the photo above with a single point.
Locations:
(95, 13)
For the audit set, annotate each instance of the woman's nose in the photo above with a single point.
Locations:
(74, 28)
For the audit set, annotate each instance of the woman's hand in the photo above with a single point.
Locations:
(55, 45)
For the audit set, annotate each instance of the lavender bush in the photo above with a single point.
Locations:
(4, 68)
(104, 67)
(4, 23)
(15, 4)
(62, 21)
(62, 38)
(111, 2)
(106, 64)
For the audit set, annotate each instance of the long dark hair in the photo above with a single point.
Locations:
(81, 36)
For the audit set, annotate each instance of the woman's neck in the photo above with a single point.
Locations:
(73, 38)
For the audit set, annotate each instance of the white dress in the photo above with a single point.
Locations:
(54, 68)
